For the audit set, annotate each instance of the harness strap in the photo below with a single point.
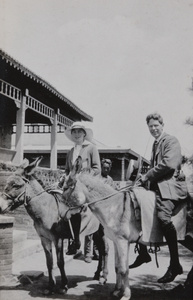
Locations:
(155, 251)
(14, 200)
(71, 229)
(55, 194)
(57, 202)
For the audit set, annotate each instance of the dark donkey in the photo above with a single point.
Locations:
(49, 214)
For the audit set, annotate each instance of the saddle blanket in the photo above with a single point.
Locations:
(151, 229)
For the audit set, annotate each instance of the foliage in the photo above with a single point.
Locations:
(46, 176)
(7, 167)
(189, 121)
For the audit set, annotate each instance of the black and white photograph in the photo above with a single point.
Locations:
(96, 149)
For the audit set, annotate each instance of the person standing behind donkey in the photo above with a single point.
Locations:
(106, 165)
(168, 183)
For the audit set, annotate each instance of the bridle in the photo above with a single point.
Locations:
(18, 201)
(24, 199)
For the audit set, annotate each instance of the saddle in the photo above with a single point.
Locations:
(54, 191)
(144, 202)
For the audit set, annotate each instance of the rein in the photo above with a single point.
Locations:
(123, 189)
(17, 201)
(26, 199)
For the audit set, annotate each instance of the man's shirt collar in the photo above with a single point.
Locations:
(159, 138)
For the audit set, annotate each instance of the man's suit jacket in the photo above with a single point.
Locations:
(165, 169)
(90, 159)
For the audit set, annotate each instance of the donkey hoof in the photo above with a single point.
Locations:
(116, 294)
(102, 280)
(47, 292)
(125, 298)
(63, 291)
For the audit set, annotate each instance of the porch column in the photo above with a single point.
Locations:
(19, 139)
(122, 169)
(53, 154)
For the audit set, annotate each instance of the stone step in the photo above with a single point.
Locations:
(25, 248)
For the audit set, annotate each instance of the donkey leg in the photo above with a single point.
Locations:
(122, 269)
(117, 289)
(59, 245)
(103, 247)
(47, 246)
(105, 253)
(96, 240)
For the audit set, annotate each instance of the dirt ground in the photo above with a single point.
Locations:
(143, 280)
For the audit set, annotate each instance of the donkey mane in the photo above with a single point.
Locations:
(95, 185)
(43, 185)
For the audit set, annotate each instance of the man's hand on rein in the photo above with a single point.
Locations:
(141, 181)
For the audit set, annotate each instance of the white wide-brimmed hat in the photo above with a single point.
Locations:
(76, 125)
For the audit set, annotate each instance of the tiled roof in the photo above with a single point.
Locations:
(45, 84)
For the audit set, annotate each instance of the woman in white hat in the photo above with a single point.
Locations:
(82, 138)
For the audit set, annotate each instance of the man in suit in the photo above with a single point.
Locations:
(168, 183)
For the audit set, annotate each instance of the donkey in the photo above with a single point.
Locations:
(115, 211)
(116, 214)
(50, 215)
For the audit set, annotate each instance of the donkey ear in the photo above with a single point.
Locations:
(21, 168)
(29, 170)
(24, 164)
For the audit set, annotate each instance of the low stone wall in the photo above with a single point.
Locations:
(6, 248)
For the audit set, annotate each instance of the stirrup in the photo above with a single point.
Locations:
(136, 249)
(155, 250)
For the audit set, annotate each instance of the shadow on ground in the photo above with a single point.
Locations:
(143, 288)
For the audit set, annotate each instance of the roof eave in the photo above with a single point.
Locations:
(45, 84)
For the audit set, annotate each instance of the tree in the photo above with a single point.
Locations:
(189, 121)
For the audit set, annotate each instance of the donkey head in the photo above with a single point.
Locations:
(15, 188)
(73, 189)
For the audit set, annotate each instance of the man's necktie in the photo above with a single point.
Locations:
(155, 144)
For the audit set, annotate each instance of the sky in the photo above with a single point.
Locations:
(117, 60)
